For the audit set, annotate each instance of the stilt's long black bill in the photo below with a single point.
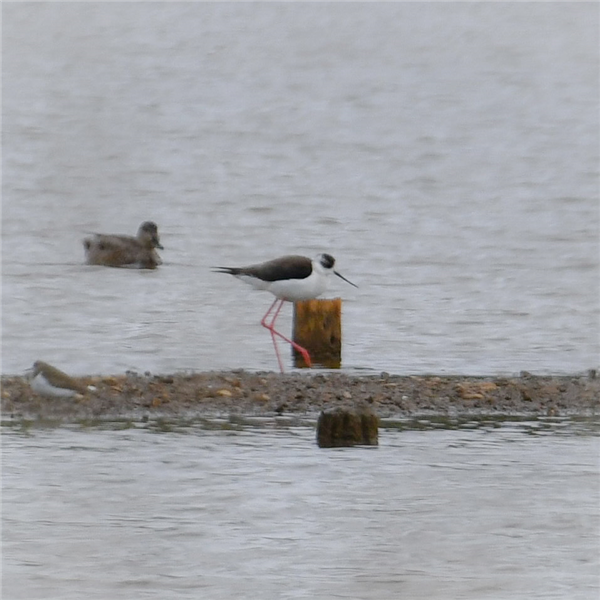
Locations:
(346, 280)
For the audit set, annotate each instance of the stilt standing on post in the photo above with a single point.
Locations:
(289, 278)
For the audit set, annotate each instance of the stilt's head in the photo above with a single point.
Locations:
(324, 264)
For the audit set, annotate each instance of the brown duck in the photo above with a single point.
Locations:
(123, 250)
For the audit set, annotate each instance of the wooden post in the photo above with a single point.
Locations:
(347, 426)
(318, 328)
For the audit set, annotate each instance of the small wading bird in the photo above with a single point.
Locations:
(288, 278)
(51, 382)
(124, 250)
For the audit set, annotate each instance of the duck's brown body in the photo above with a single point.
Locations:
(125, 251)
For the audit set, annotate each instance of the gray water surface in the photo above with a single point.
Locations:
(445, 153)
(471, 510)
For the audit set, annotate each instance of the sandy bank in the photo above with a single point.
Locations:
(189, 395)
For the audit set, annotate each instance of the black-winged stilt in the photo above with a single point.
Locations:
(289, 278)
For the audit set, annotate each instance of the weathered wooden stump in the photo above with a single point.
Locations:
(347, 426)
(318, 328)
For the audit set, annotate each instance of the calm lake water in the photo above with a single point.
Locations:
(446, 153)
(471, 510)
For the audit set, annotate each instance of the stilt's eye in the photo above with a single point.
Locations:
(327, 261)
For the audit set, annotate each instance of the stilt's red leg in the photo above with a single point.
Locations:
(271, 327)
(264, 319)
(299, 348)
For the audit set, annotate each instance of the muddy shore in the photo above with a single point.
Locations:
(267, 394)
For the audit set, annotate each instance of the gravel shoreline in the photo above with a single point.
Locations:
(267, 394)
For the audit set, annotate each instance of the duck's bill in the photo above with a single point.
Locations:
(346, 280)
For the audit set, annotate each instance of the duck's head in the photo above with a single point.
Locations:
(148, 235)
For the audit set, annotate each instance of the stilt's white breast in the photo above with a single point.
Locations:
(299, 289)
